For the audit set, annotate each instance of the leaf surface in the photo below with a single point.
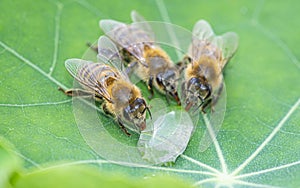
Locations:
(258, 144)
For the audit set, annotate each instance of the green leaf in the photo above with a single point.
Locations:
(10, 164)
(62, 175)
(83, 176)
(258, 144)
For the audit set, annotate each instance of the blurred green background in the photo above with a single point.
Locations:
(262, 80)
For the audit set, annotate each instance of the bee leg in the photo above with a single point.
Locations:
(126, 56)
(212, 101)
(150, 87)
(75, 92)
(94, 48)
(181, 65)
(80, 93)
(105, 110)
(205, 105)
(123, 128)
(130, 67)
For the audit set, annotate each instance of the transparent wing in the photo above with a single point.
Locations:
(91, 75)
(109, 25)
(93, 129)
(109, 54)
(136, 17)
(200, 48)
(215, 119)
(205, 40)
(140, 22)
(203, 31)
(130, 37)
(76, 66)
(228, 44)
(203, 36)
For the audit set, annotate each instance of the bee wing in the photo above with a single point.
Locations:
(130, 37)
(205, 40)
(142, 23)
(89, 74)
(109, 25)
(203, 31)
(228, 44)
(216, 117)
(109, 54)
(203, 35)
(136, 17)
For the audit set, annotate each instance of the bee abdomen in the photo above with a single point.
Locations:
(96, 73)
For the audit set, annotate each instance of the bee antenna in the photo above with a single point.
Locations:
(198, 106)
(209, 91)
(147, 108)
(202, 101)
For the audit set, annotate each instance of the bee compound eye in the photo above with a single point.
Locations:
(193, 82)
(203, 87)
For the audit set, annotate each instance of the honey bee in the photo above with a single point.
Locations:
(208, 54)
(120, 98)
(149, 61)
(203, 84)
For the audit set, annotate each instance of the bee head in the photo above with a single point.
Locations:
(135, 113)
(168, 81)
(197, 89)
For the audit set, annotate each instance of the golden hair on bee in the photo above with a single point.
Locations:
(150, 62)
(205, 68)
(207, 57)
(118, 96)
(155, 52)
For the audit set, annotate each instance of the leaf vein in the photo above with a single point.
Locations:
(37, 104)
(216, 144)
(91, 8)
(165, 16)
(56, 36)
(131, 165)
(279, 43)
(200, 164)
(253, 184)
(268, 170)
(32, 65)
(267, 140)
(27, 159)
